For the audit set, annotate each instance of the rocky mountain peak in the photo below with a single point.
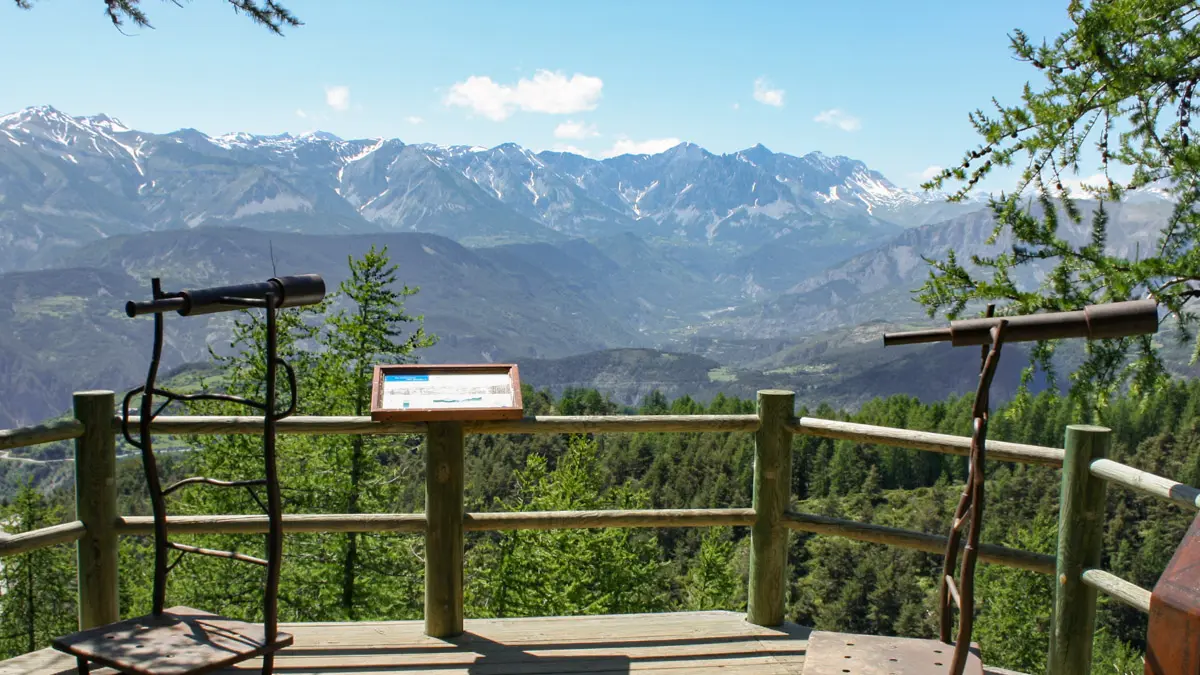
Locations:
(317, 182)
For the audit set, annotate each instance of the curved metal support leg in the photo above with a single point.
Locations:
(274, 501)
(150, 463)
(969, 513)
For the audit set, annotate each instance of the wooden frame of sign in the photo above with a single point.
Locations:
(446, 393)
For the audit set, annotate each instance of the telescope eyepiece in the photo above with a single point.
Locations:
(133, 308)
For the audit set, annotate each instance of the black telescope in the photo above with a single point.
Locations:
(1110, 320)
(293, 291)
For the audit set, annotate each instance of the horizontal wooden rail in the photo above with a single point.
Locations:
(199, 425)
(48, 432)
(406, 523)
(35, 539)
(1110, 584)
(930, 543)
(1148, 483)
(617, 424)
(414, 523)
(919, 440)
(196, 425)
(560, 520)
(925, 440)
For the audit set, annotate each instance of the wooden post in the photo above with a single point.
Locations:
(444, 529)
(772, 494)
(1080, 535)
(96, 507)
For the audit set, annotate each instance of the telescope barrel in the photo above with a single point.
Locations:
(917, 336)
(293, 291)
(1094, 322)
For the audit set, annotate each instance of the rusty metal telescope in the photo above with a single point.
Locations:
(1094, 322)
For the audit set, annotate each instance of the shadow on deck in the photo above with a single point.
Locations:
(689, 642)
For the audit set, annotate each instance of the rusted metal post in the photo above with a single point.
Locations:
(1080, 536)
(96, 508)
(772, 494)
(444, 529)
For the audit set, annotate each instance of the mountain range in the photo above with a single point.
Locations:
(65, 181)
(753, 268)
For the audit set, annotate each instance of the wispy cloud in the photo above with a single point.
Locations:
(338, 97)
(932, 171)
(1079, 187)
(652, 146)
(566, 147)
(763, 93)
(301, 114)
(836, 118)
(575, 130)
(413, 119)
(546, 92)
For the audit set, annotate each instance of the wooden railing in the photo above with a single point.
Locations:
(1086, 470)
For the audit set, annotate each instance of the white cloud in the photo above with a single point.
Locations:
(547, 92)
(932, 171)
(301, 114)
(413, 119)
(737, 106)
(763, 93)
(1078, 186)
(338, 97)
(836, 118)
(575, 130)
(564, 147)
(652, 146)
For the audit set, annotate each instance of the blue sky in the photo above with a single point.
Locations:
(889, 83)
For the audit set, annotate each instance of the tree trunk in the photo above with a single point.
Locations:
(349, 571)
(29, 616)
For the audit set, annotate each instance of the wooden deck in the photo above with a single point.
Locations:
(690, 642)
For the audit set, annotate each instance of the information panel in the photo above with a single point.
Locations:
(446, 392)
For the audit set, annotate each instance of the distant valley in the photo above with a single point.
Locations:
(685, 271)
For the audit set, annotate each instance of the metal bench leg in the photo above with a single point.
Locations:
(81, 665)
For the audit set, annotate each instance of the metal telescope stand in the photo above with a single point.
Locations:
(864, 654)
(182, 640)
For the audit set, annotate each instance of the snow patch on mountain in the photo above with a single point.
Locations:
(275, 204)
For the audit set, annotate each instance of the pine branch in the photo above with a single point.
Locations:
(268, 13)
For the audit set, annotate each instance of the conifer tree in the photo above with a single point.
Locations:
(373, 330)
(567, 572)
(1120, 83)
(333, 353)
(712, 580)
(37, 589)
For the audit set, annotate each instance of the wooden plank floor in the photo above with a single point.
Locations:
(674, 644)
